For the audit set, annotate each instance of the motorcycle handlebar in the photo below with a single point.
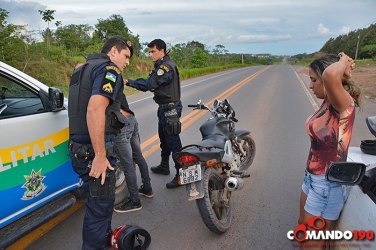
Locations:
(218, 108)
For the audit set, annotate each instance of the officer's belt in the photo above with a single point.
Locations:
(86, 150)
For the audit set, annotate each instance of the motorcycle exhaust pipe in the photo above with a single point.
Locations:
(233, 183)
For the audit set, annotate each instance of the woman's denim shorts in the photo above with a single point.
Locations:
(324, 198)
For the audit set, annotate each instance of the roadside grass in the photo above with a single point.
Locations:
(305, 61)
(190, 73)
(366, 62)
(186, 74)
(57, 72)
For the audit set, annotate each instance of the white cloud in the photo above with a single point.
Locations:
(322, 30)
(238, 24)
(263, 38)
(257, 21)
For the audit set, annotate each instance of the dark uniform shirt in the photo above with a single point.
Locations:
(107, 81)
(124, 104)
(163, 81)
(99, 77)
(161, 75)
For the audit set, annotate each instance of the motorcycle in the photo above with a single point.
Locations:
(215, 167)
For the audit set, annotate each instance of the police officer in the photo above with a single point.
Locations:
(94, 119)
(165, 83)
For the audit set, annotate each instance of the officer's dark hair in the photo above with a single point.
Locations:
(119, 42)
(159, 44)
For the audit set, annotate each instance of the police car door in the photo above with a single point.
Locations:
(34, 163)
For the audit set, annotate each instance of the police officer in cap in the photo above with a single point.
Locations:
(94, 120)
(165, 83)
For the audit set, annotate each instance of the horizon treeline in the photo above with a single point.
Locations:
(51, 54)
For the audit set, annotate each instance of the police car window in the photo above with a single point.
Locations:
(16, 100)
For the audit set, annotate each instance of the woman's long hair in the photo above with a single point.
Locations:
(320, 64)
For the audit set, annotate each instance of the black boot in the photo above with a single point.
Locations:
(162, 168)
(174, 183)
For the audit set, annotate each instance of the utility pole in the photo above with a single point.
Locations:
(357, 47)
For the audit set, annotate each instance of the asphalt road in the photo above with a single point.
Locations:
(273, 105)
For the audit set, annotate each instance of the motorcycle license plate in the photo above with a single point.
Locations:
(190, 174)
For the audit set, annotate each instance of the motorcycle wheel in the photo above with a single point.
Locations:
(249, 148)
(215, 212)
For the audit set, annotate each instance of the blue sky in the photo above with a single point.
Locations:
(279, 27)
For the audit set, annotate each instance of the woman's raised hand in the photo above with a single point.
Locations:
(348, 62)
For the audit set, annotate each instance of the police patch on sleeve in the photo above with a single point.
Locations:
(108, 88)
(109, 80)
(160, 72)
(165, 68)
(110, 76)
(113, 68)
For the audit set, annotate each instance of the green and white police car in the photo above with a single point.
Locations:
(36, 177)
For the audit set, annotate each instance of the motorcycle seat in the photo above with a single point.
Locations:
(214, 141)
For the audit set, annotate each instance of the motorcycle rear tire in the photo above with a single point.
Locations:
(249, 148)
(216, 217)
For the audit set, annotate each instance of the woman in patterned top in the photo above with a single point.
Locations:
(329, 129)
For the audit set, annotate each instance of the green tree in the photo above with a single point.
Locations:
(199, 58)
(193, 45)
(48, 16)
(5, 31)
(11, 45)
(369, 35)
(191, 54)
(368, 51)
(115, 25)
(218, 54)
(75, 38)
(348, 42)
(180, 55)
(219, 49)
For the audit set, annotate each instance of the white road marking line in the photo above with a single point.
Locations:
(310, 98)
(193, 83)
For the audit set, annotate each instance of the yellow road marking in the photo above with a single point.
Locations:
(187, 120)
(197, 114)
